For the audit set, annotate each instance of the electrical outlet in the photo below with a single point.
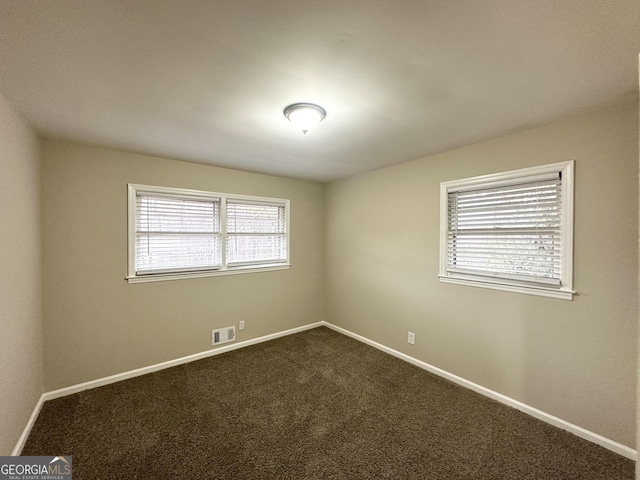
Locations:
(411, 338)
(241, 327)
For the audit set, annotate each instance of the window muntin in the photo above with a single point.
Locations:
(177, 233)
(510, 231)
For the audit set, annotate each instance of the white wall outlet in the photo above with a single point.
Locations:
(241, 326)
(411, 338)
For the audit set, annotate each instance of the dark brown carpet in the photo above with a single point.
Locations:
(312, 405)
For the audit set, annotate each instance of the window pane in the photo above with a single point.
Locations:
(172, 214)
(256, 233)
(512, 231)
(174, 233)
(255, 218)
(256, 248)
(176, 252)
(530, 255)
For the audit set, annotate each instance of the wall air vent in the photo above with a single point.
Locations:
(223, 335)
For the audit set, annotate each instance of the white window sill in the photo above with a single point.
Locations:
(163, 277)
(562, 294)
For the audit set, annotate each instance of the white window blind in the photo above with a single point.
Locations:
(176, 234)
(511, 231)
(256, 233)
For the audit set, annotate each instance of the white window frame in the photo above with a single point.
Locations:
(224, 269)
(562, 291)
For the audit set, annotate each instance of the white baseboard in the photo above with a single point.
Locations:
(534, 412)
(63, 392)
(27, 429)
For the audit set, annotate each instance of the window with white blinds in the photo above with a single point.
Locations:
(511, 231)
(177, 233)
(256, 233)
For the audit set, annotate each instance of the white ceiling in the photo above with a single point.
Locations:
(206, 81)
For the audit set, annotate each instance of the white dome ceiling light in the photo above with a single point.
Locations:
(305, 116)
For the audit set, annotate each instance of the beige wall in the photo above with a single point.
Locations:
(96, 324)
(638, 369)
(20, 304)
(572, 359)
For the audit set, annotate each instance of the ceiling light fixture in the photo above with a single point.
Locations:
(305, 116)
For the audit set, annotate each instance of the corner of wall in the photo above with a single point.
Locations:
(21, 377)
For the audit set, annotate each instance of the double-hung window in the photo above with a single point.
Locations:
(176, 233)
(510, 231)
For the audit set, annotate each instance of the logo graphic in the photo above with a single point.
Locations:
(36, 468)
(59, 459)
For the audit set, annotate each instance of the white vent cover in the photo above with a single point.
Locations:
(223, 335)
